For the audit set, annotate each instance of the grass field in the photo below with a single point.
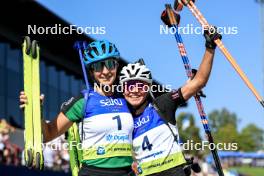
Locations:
(250, 171)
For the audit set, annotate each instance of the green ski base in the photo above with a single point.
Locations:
(32, 112)
(75, 154)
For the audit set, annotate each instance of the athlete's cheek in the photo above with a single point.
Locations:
(96, 74)
(126, 94)
(112, 74)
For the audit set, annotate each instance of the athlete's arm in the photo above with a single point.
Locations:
(203, 73)
(71, 111)
(52, 129)
(201, 77)
(56, 127)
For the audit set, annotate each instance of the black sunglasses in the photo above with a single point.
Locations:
(109, 64)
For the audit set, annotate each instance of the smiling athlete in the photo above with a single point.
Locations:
(155, 136)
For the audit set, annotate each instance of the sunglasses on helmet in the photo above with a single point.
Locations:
(109, 64)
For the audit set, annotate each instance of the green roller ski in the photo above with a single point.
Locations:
(75, 154)
(28, 107)
(33, 133)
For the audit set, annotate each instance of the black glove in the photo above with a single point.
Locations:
(210, 35)
(190, 165)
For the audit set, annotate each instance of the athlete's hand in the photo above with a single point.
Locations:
(23, 100)
(134, 167)
(211, 34)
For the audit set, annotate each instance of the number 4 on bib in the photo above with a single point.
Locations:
(146, 144)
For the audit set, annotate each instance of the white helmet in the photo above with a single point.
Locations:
(135, 71)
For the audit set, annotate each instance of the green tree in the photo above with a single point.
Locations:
(227, 134)
(224, 129)
(219, 119)
(251, 138)
(189, 131)
(224, 126)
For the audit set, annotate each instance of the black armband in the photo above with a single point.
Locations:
(177, 97)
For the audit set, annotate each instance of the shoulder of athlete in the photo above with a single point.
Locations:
(71, 102)
(173, 97)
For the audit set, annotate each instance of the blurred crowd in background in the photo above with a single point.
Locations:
(9, 153)
(12, 154)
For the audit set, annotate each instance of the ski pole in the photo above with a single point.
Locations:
(79, 46)
(75, 155)
(171, 21)
(178, 4)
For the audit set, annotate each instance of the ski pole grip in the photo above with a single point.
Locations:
(77, 45)
(170, 14)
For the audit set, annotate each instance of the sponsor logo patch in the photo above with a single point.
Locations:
(141, 121)
(111, 137)
(100, 151)
(111, 102)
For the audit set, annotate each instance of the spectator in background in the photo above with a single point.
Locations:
(10, 154)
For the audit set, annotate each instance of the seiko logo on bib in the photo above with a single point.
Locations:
(111, 102)
(141, 121)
